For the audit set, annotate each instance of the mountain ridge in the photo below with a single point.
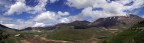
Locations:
(108, 22)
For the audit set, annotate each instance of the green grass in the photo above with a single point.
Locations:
(122, 36)
(70, 34)
(132, 35)
(10, 39)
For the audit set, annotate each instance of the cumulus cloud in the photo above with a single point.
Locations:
(46, 16)
(43, 19)
(64, 20)
(125, 1)
(19, 24)
(10, 25)
(63, 13)
(38, 24)
(18, 7)
(40, 7)
(50, 16)
(52, 1)
(89, 9)
(136, 4)
(80, 3)
(109, 8)
(16, 23)
(4, 5)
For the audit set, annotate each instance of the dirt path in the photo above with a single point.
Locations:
(42, 40)
(38, 39)
(56, 41)
(25, 41)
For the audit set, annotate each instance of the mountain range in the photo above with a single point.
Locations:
(117, 22)
(79, 30)
(108, 22)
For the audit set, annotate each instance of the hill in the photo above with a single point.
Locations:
(117, 21)
(7, 35)
(133, 35)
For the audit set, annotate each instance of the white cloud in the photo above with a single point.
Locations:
(88, 12)
(64, 20)
(50, 16)
(124, 1)
(46, 16)
(19, 24)
(10, 25)
(52, 1)
(5, 4)
(43, 19)
(40, 7)
(114, 8)
(63, 13)
(136, 4)
(18, 7)
(80, 3)
(39, 24)
(102, 3)
(16, 23)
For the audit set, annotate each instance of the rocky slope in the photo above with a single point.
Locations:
(117, 21)
(109, 22)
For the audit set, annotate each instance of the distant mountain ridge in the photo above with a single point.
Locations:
(109, 22)
(75, 24)
(2, 26)
(117, 21)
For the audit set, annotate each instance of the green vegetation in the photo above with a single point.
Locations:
(139, 24)
(70, 34)
(10, 39)
(133, 35)
(126, 36)
(6, 36)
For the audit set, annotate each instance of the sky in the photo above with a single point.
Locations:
(19, 14)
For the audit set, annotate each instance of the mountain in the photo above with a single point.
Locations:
(109, 22)
(76, 24)
(117, 21)
(39, 28)
(2, 26)
(132, 35)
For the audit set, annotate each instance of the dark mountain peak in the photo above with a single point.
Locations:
(2, 26)
(117, 21)
(28, 28)
(47, 28)
(108, 22)
(73, 23)
(81, 22)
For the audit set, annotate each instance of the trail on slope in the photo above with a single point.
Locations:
(39, 39)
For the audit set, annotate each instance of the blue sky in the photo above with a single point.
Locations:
(20, 14)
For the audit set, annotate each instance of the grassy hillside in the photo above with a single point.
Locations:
(133, 35)
(7, 36)
(70, 34)
(67, 33)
